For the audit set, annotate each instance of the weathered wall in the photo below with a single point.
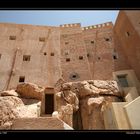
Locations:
(69, 51)
(127, 32)
(99, 43)
(42, 69)
(72, 47)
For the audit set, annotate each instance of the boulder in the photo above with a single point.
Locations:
(9, 93)
(29, 90)
(12, 107)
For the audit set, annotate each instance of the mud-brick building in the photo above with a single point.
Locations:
(45, 54)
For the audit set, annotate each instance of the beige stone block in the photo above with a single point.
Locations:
(132, 110)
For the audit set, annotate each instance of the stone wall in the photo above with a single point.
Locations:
(127, 31)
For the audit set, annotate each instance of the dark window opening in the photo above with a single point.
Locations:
(123, 80)
(107, 39)
(49, 103)
(0, 56)
(52, 54)
(21, 79)
(45, 53)
(66, 53)
(127, 34)
(88, 55)
(66, 43)
(80, 57)
(99, 58)
(67, 59)
(92, 42)
(26, 57)
(114, 57)
(42, 39)
(12, 37)
(74, 76)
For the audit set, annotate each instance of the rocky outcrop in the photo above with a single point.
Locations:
(9, 93)
(29, 90)
(95, 107)
(88, 98)
(12, 106)
(79, 104)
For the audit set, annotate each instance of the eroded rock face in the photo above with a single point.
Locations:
(88, 98)
(29, 90)
(66, 113)
(12, 107)
(95, 106)
(9, 93)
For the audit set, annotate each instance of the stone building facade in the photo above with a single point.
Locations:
(90, 59)
(43, 54)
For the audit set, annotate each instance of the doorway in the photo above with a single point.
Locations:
(49, 103)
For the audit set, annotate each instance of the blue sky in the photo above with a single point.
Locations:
(57, 17)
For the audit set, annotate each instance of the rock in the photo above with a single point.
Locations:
(71, 98)
(88, 98)
(95, 101)
(95, 113)
(66, 114)
(9, 93)
(58, 85)
(55, 114)
(7, 104)
(12, 107)
(67, 97)
(29, 90)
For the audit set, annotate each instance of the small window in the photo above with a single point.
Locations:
(74, 76)
(67, 59)
(21, 79)
(80, 57)
(99, 58)
(66, 53)
(12, 37)
(107, 39)
(0, 56)
(115, 54)
(123, 80)
(127, 34)
(114, 57)
(88, 55)
(66, 43)
(45, 53)
(52, 54)
(92, 42)
(26, 57)
(42, 39)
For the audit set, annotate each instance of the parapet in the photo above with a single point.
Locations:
(71, 25)
(98, 26)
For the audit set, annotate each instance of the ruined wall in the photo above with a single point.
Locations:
(99, 43)
(74, 60)
(40, 43)
(127, 34)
